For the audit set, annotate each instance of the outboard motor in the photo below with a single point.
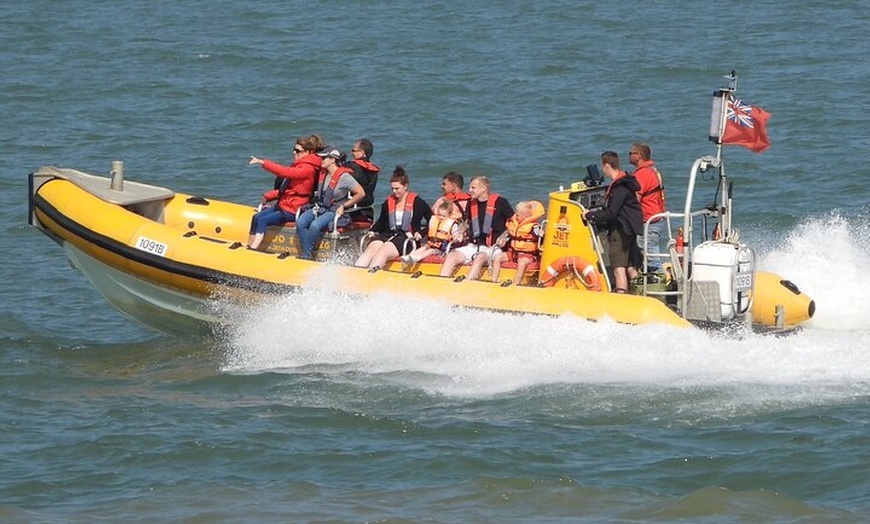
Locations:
(732, 268)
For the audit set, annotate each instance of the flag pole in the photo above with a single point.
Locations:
(721, 100)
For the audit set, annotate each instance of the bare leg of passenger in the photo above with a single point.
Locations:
(619, 274)
(522, 264)
(387, 252)
(495, 267)
(453, 259)
(368, 254)
(477, 265)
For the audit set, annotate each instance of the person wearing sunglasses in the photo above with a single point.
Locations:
(294, 187)
(366, 173)
(652, 202)
(337, 191)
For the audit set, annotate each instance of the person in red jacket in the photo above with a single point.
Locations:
(294, 190)
(652, 202)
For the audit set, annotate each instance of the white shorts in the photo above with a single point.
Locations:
(472, 250)
(469, 251)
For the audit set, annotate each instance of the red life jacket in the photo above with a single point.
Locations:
(483, 230)
(652, 192)
(407, 214)
(460, 200)
(326, 193)
(368, 166)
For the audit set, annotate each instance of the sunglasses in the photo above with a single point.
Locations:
(297, 150)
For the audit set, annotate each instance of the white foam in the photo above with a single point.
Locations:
(827, 258)
(429, 345)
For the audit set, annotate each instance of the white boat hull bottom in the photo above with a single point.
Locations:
(151, 304)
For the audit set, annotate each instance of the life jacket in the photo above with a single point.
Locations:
(365, 164)
(441, 231)
(407, 213)
(652, 199)
(522, 232)
(366, 173)
(457, 199)
(326, 192)
(484, 230)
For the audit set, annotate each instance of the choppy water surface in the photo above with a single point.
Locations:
(326, 409)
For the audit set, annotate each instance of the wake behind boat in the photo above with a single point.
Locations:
(163, 257)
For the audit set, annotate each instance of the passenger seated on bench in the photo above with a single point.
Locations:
(366, 173)
(442, 229)
(487, 214)
(451, 186)
(519, 243)
(399, 224)
(336, 191)
(294, 186)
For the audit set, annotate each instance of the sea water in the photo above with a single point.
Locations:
(322, 407)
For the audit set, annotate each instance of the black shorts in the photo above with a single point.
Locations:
(400, 240)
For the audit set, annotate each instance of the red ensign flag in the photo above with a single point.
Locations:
(746, 126)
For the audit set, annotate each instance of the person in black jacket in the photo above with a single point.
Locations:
(622, 218)
(366, 173)
(400, 225)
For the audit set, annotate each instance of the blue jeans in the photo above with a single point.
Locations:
(268, 216)
(310, 228)
(654, 236)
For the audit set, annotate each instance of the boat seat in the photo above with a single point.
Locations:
(534, 266)
(433, 259)
(356, 225)
(353, 226)
(439, 259)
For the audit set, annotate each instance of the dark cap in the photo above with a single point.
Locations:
(330, 152)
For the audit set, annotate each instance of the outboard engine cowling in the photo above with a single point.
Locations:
(732, 267)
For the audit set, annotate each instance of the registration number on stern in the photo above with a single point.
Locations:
(152, 246)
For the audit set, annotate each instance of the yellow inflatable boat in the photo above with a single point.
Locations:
(163, 258)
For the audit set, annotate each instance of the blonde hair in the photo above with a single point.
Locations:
(445, 206)
(483, 179)
(524, 208)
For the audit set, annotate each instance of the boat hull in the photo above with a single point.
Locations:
(779, 302)
(155, 306)
(155, 272)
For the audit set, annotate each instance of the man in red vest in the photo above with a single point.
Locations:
(652, 202)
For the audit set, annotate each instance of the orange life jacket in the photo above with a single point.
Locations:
(522, 232)
(440, 231)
